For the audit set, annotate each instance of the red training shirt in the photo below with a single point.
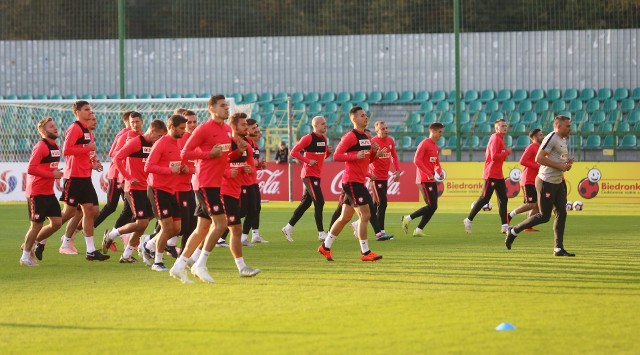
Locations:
(347, 151)
(379, 166)
(135, 152)
(495, 156)
(427, 161)
(183, 182)
(528, 160)
(76, 152)
(231, 185)
(164, 154)
(42, 163)
(113, 171)
(315, 148)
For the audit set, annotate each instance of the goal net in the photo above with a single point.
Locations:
(19, 120)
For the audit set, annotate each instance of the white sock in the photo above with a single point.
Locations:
(195, 255)
(364, 246)
(180, 263)
(222, 240)
(513, 231)
(418, 230)
(512, 214)
(322, 235)
(240, 263)
(113, 234)
(288, 227)
(43, 242)
(383, 231)
(408, 218)
(256, 233)
(172, 241)
(159, 257)
(90, 246)
(557, 249)
(25, 255)
(65, 241)
(151, 244)
(330, 239)
(202, 259)
(244, 237)
(505, 225)
(127, 252)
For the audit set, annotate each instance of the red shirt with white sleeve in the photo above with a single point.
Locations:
(427, 161)
(347, 151)
(315, 148)
(231, 186)
(164, 154)
(77, 154)
(131, 160)
(495, 156)
(42, 163)
(380, 166)
(183, 182)
(113, 171)
(528, 160)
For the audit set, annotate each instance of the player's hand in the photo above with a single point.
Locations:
(381, 152)
(313, 162)
(330, 149)
(216, 151)
(508, 151)
(175, 168)
(373, 177)
(375, 147)
(568, 165)
(184, 169)
(97, 166)
(92, 146)
(233, 173)
(248, 170)
(263, 164)
(242, 146)
(396, 176)
(135, 182)
(361, 154)
(57, 174)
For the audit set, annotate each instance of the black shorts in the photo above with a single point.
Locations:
(379, 188)
(43, 206)
(140, 204)
(232, 210)
(79, 191)
(357, 193)
(245, 190)
(530, 193)
(208, 202)
(163, 204)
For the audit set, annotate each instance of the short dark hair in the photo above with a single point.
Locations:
(436, 125)
(176, 120)
(534, 132)
(158, 125)
(125, 116)
(233, 121)
(499, 120)
(354, 109)
(188, 113)
(78, 105)
(215, 98)
(251, 121)
(135, 114)
(180, 111)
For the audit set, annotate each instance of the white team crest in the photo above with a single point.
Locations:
(244, 191)
(232, 218)
(360, 200)
(87, 136)
(380, 185)
(315, 183)
(140, 213)
(216, 208)
(530, 198)
(430, 188)
(146, 150)
(547, 194)
(37, 216)
(165, 212)
(493, 183)
(433, 159)
(71, 200)
(184, 203)
(55, 153)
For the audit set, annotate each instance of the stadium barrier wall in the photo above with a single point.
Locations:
(602, 183)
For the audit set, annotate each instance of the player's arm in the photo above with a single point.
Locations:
(420, 159)
(301, 145)
(153, 166)
(542, 158)
(341, 153)
(528, 158)
(129, 148)
(35, 168)
(72, 135)
(189, 151)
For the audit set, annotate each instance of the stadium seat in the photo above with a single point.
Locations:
(265, 97)
(597, 117)
(470, 95)
(333, 119)
(613, 116)
(504, 95)
(484, 142)
(267, 108)
(487, 95)
(529, 118)
(587, 127)
(520, 95)
(451, 98)
(575, 105)
(71, 97)
(485, 128)
(594, 141)
(417, 128)
(446, 118)
(587, 94)
(100, 97)
(280, 98)
(374, 97)
(472, 142)
(604, 93)
(405, 97)
(536, 95)
(609, 141)
(525, 106)
(160, 96)
(623, 127)
(178, 96)
(40, 97)
(421, 96)
(609, 105)
(345, 107)
(190, 96)
(365, 107)
(465, 128)
(491, 106)
(465, 117)
(627, 105)
(570, 94)
(429, 118)
(249, 98)
(593, 105)
(26, 97)
(635, 94)
(633, 118)
(496, 116)
(358, 97)
(579, 117)
(508, 141)
(442, 106)
(297, 97)
(522, 142)
(311, 97)
(11, 97)
(509, 106)
(299, 106)
(553, 95)
(629, 141)
(605, 127)
(541, 107)
(412, 119)
(558, 106)
(620, 94)
(474, 106)
(130, 96)
(405, 143)
(390, 97)
(452, 142)
(343, 97)
(480, 117)
(330, 107)
(512, 118)
(305, 129)
(426, 106)
(441, 142)
(519, 128)
(437, 96)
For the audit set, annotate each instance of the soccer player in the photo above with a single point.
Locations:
(355, 150)
(251, 191)
(164, 165)
(114, 190)
(379, 172)
(495, 156)
(428, 168)
(79, 151)
(186, 195)
(316, 150)
(528, 180)
(210, 146)
(553, 157)
(42, 172)
(130, 160)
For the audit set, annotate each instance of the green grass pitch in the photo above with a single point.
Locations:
(441, 294)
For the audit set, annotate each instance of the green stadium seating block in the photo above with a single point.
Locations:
(491, 106)
(311, 97)
(446, 118)
(204, 95)
(131, 96)
(449, 129)
(609, 104)
(160, 96)
(413, 119)
(593, 105)
(529, 118)
(487, 95)
(417, 141)
(465, 117)
(438, 95)
(406, 97)
(508, 141)
(421, 96)
(620, 94)
(474, 106)
(330, 107)
(580, 116)
(267, 108)
(623, 127)
(496, 116)
(471, 95)
(522, 142)
(190, 96)
(635, 94)
(280, 97)
(541, 106)
(452, 142)
(390, 97)
(485, 128)
(604, 93)
(553, 95)
(613, 116)
(570, 94)
(305, 129)
(629, 141)
(426, 106)
(442, 106)
(26, 97)
(587, 94)
(609, 141)
(365, 106)
(416, 128)
(265, 97)
(627, 105)
(519, 128)
(297, 97)
(343, 97)
(587, 127)
(480, 117)
(575, 105)
(597, 117)
(100, 97)
(405, 143)
(509, 106)
(56, 97)
(605, 127)
(250, 98)
(11, 97)
(525, 106)
(472, 142)
(429, 118)
(594, 141)
(504, 95)
(484, 142)
(299, 106)
(359, 96)
(345, 107)
(178, 96)
(441, 142)
(465, 128)
(536, 95)
(558, 106)
(374, 97)
(633, 117)
(452, 96)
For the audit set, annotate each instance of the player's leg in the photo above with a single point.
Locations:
(485, 197)
(501, 193)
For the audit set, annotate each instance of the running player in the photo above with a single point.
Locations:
(379, 172)
(186, 195)
(251, 191)
(528, 181)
